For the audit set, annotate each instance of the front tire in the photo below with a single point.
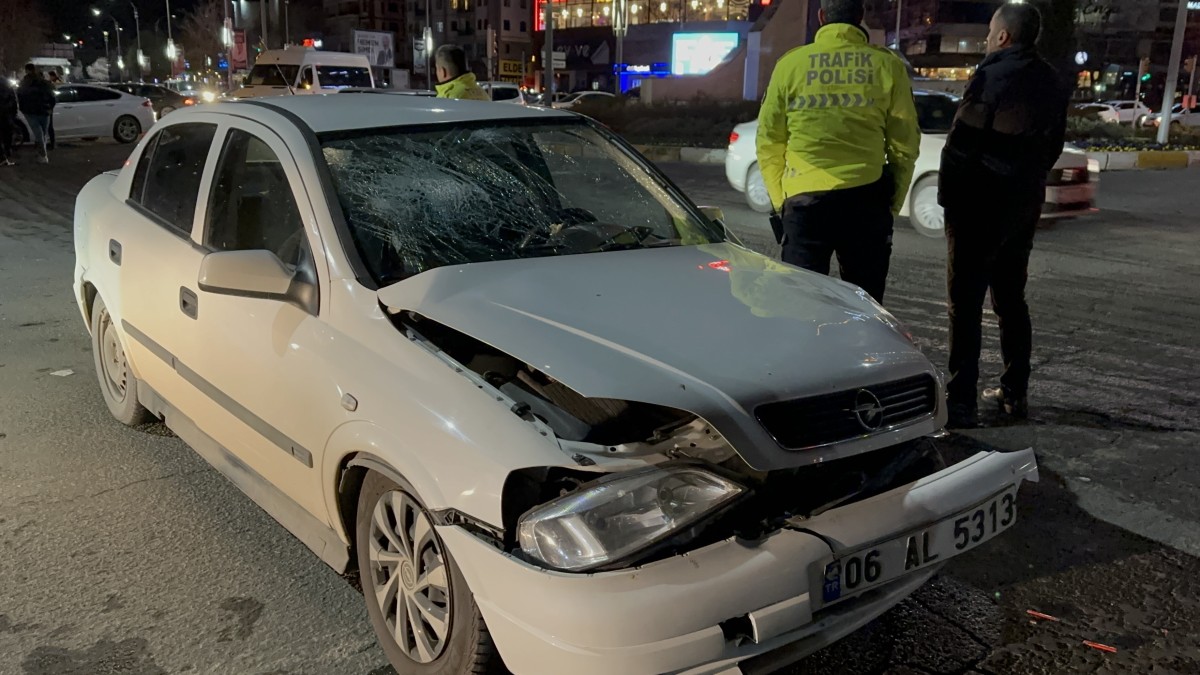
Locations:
(126, 129)
(118, 384)
(757, 197)
(423, 613)
(924, 212)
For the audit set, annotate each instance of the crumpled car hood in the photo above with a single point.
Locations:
(715, 330)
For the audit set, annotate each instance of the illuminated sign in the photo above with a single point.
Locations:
(636, 69)
(698, 53)
(1193, 4)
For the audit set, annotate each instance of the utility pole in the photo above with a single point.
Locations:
(620, 29)
(287, 23)
(548, 63)
(1191, 75)
(120, 54)
(137, 27)
(899, 13)
(262, 4)
(1143, 68)
(1164, 119)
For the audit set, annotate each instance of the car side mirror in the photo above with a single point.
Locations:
(714, 213)
(249, 274)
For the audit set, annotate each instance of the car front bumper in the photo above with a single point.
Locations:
(686, 613)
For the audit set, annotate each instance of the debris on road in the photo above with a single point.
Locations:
(63, 373)
(1103, 648)
(1036, 614)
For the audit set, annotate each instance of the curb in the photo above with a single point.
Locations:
(1145, 160)
(672, 153)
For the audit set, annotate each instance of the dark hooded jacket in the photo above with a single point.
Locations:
(36, 96)
(1007, 134)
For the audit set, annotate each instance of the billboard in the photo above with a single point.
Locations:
(379, 47)
(239, 59)
(698, 53)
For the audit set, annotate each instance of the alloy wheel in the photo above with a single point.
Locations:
(127, 129)
(927, 212)
(409, 576)
(112, 356)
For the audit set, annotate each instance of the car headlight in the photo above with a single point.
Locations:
(609, 519)
(208, 96)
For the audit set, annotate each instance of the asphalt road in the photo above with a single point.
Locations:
(122, 552)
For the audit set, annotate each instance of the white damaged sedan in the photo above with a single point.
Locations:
(492, 358)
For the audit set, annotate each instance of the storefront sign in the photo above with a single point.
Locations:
(510, 68)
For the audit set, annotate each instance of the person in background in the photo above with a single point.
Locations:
(35, 98)
(8, 121)
(1006, 137)
(454, 80)
(55, 81)
(837, 145)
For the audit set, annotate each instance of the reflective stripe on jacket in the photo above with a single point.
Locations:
(834, 113)
(464, 87)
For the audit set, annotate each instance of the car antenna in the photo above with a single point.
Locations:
(291, 90)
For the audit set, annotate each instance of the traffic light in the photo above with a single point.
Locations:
(1144, 69)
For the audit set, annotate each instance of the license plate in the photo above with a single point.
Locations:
(1069, 194)
(849, 574)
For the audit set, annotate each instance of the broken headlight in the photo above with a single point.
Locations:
(612, 518)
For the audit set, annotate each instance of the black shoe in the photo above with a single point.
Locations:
(962, 416)
(1013, 406)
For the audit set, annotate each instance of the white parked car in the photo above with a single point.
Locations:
(504, 92)
(571, 101)
(429, 338)
(1180, 117)
(1130, 111)
(1070, 191)
(84, 111)
(1103, 111)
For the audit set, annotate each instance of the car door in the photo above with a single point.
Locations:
(152, 245)
(66, 115)
(262, 360)
(97, 110)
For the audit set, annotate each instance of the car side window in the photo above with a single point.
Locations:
(66, 95)
(306, 77)
(92, 94)
(252, 206)
(167, 180)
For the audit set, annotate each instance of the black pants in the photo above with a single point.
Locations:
(855, 223)
(989, 249)
(7, 129)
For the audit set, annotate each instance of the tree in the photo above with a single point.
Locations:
(200, 31)
(23, 30)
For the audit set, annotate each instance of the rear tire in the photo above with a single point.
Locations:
(126, 129)
(757, 197)
(425, 585)
(118, 384)
(924, 212)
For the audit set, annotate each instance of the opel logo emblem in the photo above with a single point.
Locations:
(868, 410)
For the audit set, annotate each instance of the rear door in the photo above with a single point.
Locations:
(97, 109)
(66, 113)
(158, 259)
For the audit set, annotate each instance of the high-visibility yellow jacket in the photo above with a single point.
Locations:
(464, 87)
(835, 111)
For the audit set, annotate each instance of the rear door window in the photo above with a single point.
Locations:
(94, 94)
(273, 75)
(174, 164)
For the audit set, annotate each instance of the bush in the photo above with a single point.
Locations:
(1106, 137)
(699, 123)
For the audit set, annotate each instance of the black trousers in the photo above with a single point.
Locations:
(855, 223)
(7, 128)
(989, 249)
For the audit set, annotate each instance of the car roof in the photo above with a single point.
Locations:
(334, 112)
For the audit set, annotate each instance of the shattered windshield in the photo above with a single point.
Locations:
(415, 199)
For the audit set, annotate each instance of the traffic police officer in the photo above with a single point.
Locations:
(837, 145)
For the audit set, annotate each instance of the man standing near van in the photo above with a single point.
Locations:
(1006, 138)
(36, 99)
(837, 146)
(454, 80)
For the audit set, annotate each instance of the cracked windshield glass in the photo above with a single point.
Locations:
(416, 200)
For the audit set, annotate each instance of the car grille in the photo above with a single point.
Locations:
(829, 418)
(1072, 176)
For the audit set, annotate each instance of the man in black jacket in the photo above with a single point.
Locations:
(1006, 137)
(8, 121)
(36, 99)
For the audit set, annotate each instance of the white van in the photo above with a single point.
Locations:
(304, 70)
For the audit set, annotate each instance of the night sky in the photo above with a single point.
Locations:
(74, 17)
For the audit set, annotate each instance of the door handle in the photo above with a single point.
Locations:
(114, 251)
(188, 303)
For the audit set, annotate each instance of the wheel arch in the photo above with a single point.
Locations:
(89, 300)
(908, 201)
